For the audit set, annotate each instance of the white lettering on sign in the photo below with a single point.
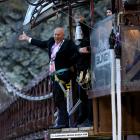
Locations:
(102, 58)
(69, 135)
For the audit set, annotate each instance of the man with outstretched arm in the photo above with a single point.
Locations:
(63, 54)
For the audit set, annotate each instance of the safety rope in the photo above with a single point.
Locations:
(17, 92)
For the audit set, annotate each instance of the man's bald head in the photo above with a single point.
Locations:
(58, 34)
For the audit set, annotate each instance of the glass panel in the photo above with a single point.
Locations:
(101, 59)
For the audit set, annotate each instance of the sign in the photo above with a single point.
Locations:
(102, 58)
(69, 135)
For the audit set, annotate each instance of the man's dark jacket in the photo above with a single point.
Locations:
(66, 56)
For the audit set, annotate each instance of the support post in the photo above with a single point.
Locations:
(113, 101)
(118, 92)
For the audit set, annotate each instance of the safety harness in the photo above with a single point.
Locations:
(61, 82)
